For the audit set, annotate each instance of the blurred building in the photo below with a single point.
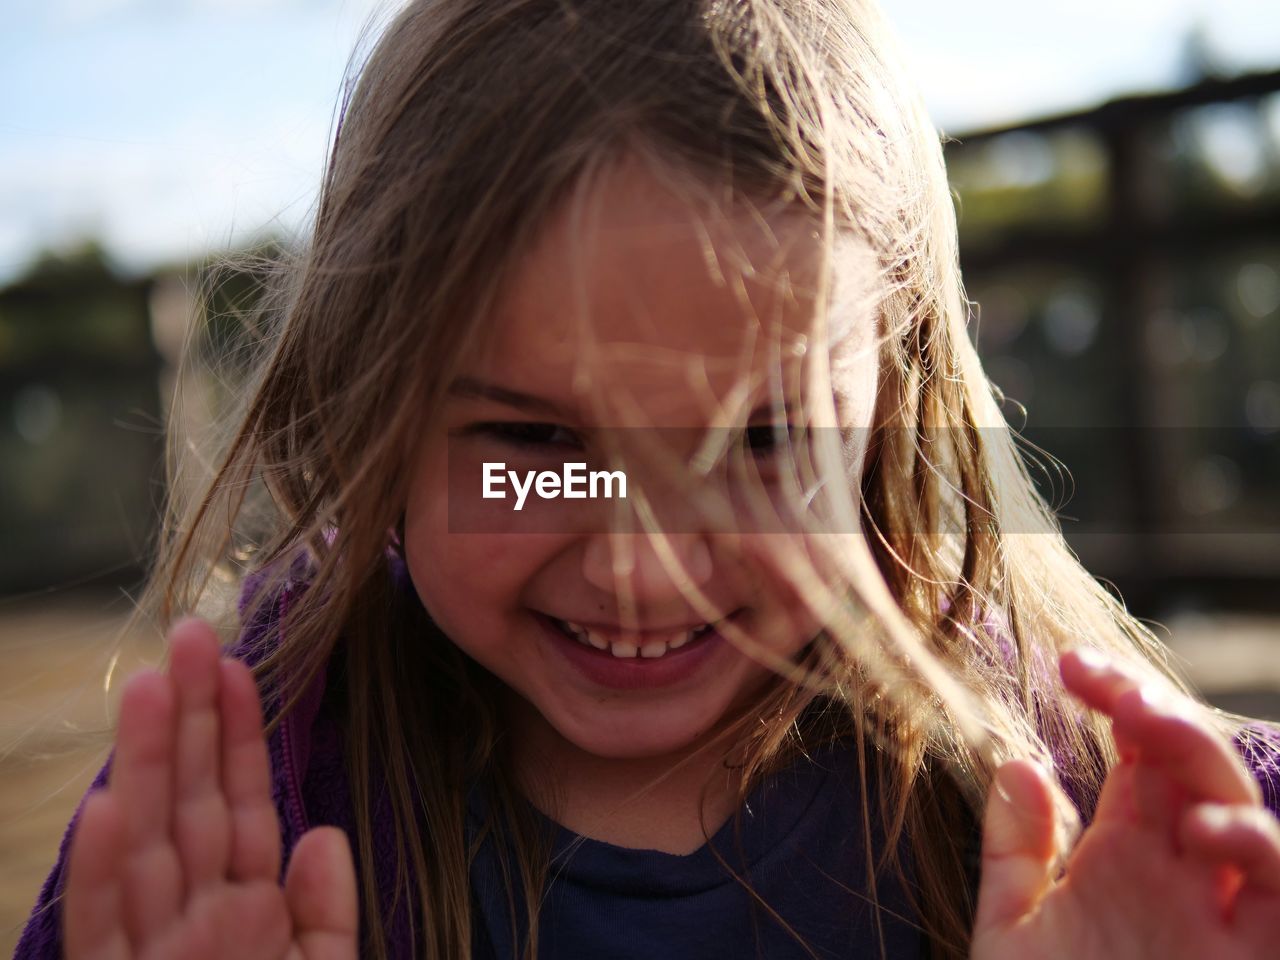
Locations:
(1125, 263)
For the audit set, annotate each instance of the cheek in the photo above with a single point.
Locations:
(454, 570)
(475, 586)
(785, 620)
(469, 583)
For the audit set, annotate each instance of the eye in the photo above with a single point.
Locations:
(767, 439)
(527, 434)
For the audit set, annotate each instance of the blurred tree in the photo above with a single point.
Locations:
(79, 422)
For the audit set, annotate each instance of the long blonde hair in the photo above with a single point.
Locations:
(462, 129)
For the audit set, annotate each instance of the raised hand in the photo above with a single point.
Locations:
(1180, 861)
(179, 857)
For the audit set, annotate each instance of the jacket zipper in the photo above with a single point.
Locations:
(297, 812)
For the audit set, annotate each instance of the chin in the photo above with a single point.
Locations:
(633, 732)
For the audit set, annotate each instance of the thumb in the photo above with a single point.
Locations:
(320, 890)
(1018, 844)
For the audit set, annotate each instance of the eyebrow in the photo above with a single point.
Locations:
(472, 389)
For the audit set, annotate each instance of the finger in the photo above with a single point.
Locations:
(1018, 845)
(1247, 838)
(320, 890)
(93, 909)
(141, 783)
(1097, 679)
(201, 819)
(142, 767)
(1253, 917)
(1195, 757)
(1149, 724)
(1158, 799)
(246, 778)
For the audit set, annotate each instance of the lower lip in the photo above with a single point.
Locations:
(633, 673)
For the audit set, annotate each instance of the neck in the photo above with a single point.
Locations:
(651, 803)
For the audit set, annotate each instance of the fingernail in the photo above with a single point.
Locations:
(1091, 659)
(1016, 790)
(1158, 701)
(1214, 816)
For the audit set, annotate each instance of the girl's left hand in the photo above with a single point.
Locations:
(1181, 859)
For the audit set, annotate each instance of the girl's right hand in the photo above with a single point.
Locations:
(179, 856)
(1180, 862)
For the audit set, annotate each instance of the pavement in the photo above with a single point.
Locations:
(55, 718)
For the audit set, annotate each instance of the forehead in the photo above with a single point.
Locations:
(637, 284)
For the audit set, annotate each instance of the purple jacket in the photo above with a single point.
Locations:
(310, 788)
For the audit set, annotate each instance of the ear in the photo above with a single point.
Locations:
(396, 536)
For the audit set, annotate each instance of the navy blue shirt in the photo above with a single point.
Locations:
(801, 852)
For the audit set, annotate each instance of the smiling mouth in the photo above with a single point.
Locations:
(651, 645)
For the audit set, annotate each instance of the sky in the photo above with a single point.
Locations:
(168, 128)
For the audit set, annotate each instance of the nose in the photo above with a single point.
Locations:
(633, 568)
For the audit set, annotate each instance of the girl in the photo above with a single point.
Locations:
(825, 682)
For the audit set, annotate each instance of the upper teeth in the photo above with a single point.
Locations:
(652, 647)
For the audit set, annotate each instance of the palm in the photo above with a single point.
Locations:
(1125, 894)
(244, 920)
(1151, 877)
(180, 855)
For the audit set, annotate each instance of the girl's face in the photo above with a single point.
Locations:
(592, 627)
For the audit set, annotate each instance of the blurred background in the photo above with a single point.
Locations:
(1117, 170)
